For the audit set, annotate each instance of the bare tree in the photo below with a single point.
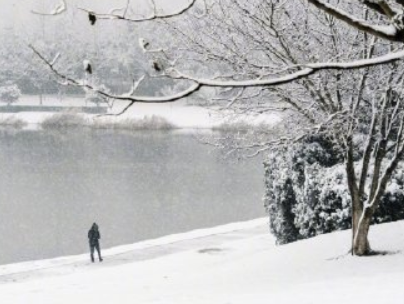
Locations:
(346, 108)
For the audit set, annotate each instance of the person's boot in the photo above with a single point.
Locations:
(92, 259)
(101, 259)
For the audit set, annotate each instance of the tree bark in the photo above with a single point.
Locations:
(360, 228)
(360, 231)
(356, 215)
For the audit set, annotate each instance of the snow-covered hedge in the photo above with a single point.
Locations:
(62, 120)
(152, 122)
(307, 193)
(11, 122)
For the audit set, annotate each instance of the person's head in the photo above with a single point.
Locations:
(94, 226)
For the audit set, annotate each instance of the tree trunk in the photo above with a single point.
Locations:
(360, 222)
(356, 215)
(360, 231)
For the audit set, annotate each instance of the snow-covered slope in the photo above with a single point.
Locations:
(231, 264)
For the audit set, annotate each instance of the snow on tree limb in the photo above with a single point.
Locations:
(308, 69)
(59, 9)
(382, 7)
(392, 32)
(153, 16)
(133, 98)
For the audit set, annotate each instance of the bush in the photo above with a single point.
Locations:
(282, 217)
(10, 93)
(280, 199)
(315, 193)
(12, 122)
(147, 123)
(64, 120)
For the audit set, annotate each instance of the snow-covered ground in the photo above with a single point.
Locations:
(236, 263)
(178, 113)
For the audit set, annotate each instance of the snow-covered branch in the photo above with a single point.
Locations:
(66, 80)
(153, 16)
(307, 70)
(57, 10)
(393, 31)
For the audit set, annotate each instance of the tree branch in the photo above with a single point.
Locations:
(308, 69)
(141, 99)
(390, 32)
(59, 9)
(153, 16)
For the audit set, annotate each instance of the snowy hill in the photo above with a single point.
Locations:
(236, 263)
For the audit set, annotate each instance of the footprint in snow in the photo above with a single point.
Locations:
(211, 250)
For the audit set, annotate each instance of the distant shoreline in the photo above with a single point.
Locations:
(178, 114)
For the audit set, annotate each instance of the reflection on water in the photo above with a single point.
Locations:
(137, 186)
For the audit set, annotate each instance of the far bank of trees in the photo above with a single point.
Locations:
(112, 51)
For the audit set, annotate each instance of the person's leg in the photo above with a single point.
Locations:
(97, 246)
(92, 252)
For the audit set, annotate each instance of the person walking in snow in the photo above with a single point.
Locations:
(93, 239)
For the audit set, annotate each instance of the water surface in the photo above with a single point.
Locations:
(135, 185)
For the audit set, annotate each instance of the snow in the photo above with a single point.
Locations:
(236, 263)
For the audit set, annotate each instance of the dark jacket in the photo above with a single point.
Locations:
(94, 235)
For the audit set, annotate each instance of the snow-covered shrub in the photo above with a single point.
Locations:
(282, 225)
(63, 120)
(12, 122)
(280, 203)
(10, 93)
(392, 205)
(321, 202)
(152, 122)
(324, 205)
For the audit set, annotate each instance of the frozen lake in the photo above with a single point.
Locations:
(135, 185)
